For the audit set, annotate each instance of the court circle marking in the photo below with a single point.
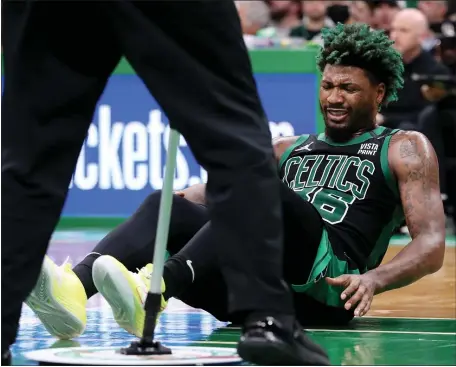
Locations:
(181, 355)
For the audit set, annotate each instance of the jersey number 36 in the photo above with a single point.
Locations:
(332, 205)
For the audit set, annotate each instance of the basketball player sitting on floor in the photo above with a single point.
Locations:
(343, 193)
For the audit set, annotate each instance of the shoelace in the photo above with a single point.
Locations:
(144, 272)
(66, 264)
(142, 275)
(60, 270)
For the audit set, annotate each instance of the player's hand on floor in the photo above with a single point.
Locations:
(359, 291)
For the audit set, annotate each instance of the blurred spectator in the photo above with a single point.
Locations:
(383, 13)
(408, 30)
(254, 15)
(446, 49)
(284, 16)
(314, 20)
(452, 10)
(361, 12)
(443, 37)
(435, 12)
(338, 11)
(430, 106)
(438, 122)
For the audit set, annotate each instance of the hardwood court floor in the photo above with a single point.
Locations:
(432, 296)
(415, 325)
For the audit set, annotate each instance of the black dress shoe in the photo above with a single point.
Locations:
(6, 358)
(267, 343)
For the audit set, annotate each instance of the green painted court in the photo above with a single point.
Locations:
(415, 325)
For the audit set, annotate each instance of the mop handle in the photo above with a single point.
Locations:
(164, 214)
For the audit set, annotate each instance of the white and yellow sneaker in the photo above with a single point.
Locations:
(125, 291)
(59, 300)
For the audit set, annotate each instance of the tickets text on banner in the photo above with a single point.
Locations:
(123, 157)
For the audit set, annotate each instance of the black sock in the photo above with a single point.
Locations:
(84, 272)
(194, 260)
(177, 276)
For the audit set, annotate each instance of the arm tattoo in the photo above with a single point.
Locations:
(408, 148)
(419, 181)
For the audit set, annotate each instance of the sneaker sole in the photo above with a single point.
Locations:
(111, 283)
(55, 318)
(265, 353)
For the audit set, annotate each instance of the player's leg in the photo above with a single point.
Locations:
(304, 244)
(204, 286)
(303, 228)
(308, 258)
(125, 284)
(132, 244)
(209, 293)
(191, 275)
(55, 70)
(126, 291)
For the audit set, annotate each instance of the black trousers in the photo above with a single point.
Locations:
(132, 243)
(191, 56)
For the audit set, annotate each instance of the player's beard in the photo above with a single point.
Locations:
(359, 119)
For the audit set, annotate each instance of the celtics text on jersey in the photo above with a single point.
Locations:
(352, 188)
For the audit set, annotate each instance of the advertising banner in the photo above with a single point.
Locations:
(123, 158)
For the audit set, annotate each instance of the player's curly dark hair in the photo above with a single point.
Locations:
(358, 45)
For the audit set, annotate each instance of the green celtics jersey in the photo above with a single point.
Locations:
(352, 188)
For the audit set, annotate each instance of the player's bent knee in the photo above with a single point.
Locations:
(153, 201)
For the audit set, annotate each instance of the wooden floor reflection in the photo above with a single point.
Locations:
(433, 296)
